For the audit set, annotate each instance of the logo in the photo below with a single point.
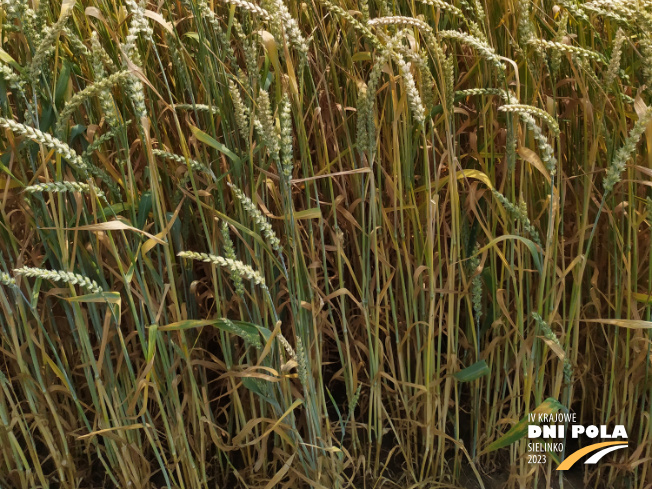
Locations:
(557, 428)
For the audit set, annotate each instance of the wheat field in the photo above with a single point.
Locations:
(322, 243)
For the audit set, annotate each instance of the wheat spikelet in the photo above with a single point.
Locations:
(287, 156)
(235, 266)
(551, 336)
(533, 111)
(250, 7)
(562, 31)
(266, 127)
(257, 216)
(371, 91)
(614, 61)
(366, 129)
(76, 43)
(250, 339)
(302, 363)
(287, 346)
(525, 26)
(60, 276)
(97, 88)
(400, 20)
(358, 26)
(194, 164)
(134, 87)
(575, 8)
(19, 10)
(229, 252)
(99, 141)
(241, 111)
(99, 56)
(100, 53)
(519, 213)
(290, 26)
(567, 48)
(138, 24)
(479, 11)
(16, 9)
(476, 284)
(354, 400)
(414, 99)
(199, 107)
(444, 6)
(46, 140)
(483, 91)
(59, 187)
(619, 161)
(214, 21)
(362, 109)
(61, 148)
(250, 55)
(364, 9)
(45, 45)
(484, 49)
(547, 153)
(12, 78)
(420, 61)
(449, 80)
(7, 280)
(622, 12)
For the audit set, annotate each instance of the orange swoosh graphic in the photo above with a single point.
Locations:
(570, 460)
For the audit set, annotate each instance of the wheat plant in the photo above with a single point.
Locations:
(326, 244)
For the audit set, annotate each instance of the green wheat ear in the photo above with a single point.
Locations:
(550, 335)
(194, 164)
(235, 266)
(60, 276)
(257, 216)
(60, 148)
(532, 111)
(519, 213)
(229, 252)
(59, 187)
(99, 88)
(7, 279)
(48, 141)
(250, 339)
(619, 161)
